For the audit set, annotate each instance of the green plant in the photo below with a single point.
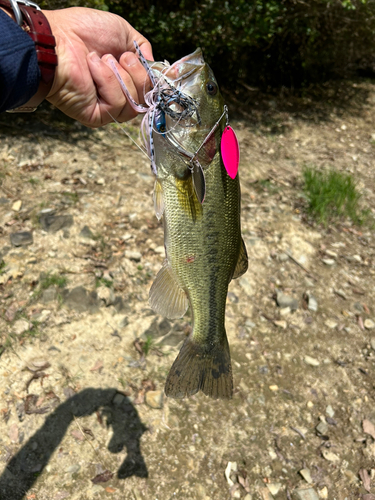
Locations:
(102, 281)
(148, 345)
(48, 280)
(332, 195)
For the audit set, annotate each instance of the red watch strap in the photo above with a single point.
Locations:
(36, 25)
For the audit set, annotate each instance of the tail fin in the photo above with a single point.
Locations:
(198, 368)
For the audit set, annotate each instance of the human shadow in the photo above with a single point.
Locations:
(118, 412)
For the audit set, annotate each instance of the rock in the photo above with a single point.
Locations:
(21, 239)
(14, 433)
(160, 250)
(53, 223)
(323, 493)
(284, 300)
(329, 262)
(306, 474)
(21, 326)
(16, 207)
(312, 303)
(86, 233)
(248, 497)
(80, 300)
(283, 257)
(372, 343)
(274, 488)
(330, 456)
(330, 411)
(43, 316)
(154, 399)
(106, 294)
(331, 253)
(330, 323)
(73, 469)
(100, 181)
(281, 324)
(246, 286)
(136, 256)
(369, 324)
(322, 428)
(49, 295)
(305, 494)
(340, 293)
(311, 361)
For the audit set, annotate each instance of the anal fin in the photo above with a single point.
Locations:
(166, 297)
(242, 262)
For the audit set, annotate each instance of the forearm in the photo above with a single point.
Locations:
(19, 71)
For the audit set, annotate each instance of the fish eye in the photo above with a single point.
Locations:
(211, 87)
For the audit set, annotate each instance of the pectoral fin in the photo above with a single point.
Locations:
(242, 262)
(158, 200)
(166, 297)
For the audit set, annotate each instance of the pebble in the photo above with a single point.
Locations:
(283, 257)
(49, 295)
(133, 255)
(73, 469)
(284, 300)
(340, 293)
(106, 294)
(330, 456)
(330, 323)
(160, 250)
(21, 239)
(372, 343)
(369, 324)
(53, 223)
(329, 262)
(154, 399)
(274, 488)
(21, 326)
(305, 494)
(322, 428)
(281, 323)
(312, 303)
(80, 300)
(100, 181)
(306, 474)
(323, 493)
(246, 286)
(16, 207)
(248, 497)
(311, 361)
(330, 411)
(331, 253)
(86, 233)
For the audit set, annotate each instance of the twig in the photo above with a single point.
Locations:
(301, 266)
(298, 432)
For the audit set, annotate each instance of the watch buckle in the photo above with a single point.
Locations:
(16, 9)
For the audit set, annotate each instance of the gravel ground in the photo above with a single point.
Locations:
(82, 412)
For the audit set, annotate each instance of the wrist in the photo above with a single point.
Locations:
(32, 20)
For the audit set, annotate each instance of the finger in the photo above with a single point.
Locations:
(138, 74)
(146, 49)
(111, 99)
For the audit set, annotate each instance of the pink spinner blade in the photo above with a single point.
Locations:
(230, 151)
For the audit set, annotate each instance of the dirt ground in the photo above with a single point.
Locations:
(82, 413)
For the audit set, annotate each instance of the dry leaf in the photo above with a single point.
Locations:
(368, 427)
(102, 478)
(110, 490)
(366, 480)
(98, 366)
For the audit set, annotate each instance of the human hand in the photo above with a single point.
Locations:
(85, 87)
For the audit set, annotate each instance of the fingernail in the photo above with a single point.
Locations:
(130, 59)
(94, 57)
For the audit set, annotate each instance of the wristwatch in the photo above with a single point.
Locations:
(32, 20)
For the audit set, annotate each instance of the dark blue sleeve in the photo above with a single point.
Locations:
(19, 70)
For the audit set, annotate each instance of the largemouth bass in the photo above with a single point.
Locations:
(200, 206)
